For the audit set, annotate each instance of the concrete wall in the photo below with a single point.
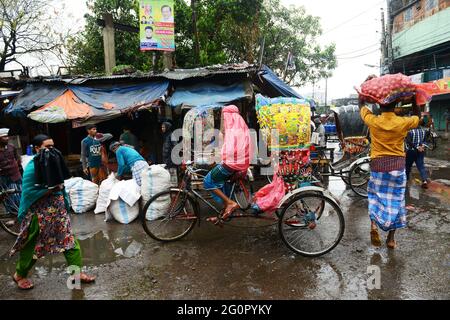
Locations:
(425, 33)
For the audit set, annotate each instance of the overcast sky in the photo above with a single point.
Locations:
(351, 24)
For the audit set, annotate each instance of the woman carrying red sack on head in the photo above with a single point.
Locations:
(236, 151)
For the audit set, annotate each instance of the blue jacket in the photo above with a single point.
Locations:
(126, 158)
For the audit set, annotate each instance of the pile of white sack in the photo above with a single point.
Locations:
(120, 199)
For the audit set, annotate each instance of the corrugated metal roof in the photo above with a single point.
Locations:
(178, 74)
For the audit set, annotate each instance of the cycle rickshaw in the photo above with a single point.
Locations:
(353, 167)
(309, 219)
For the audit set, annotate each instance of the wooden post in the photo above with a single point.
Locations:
(109, 43)
(168, 60)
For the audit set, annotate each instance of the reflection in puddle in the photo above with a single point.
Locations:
(97, 249)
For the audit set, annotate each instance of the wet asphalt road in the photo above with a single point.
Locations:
(241, 263)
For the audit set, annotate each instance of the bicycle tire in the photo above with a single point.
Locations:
(12, 231)
(167, 217)
(243, 194)
(335, 209)
(6, 219)
(362, 171)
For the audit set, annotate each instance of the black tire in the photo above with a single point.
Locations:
(359, 178)
(242, 194)
(184, 205)
(345, 179)
(324, 209)
(8, 220)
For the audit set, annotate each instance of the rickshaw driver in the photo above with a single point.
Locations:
(236, 151)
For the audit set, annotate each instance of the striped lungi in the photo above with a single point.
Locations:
(12, 202)
(137, 169)
(386, 192)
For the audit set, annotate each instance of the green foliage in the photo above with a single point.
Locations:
(230, 31)
(123, 69)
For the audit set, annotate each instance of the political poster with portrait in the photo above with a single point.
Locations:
(157, 25)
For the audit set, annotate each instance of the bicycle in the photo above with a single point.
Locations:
(431, 138)
(310, 221)
(8, 213)
(359, 177)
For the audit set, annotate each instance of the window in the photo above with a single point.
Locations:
(430, 5)
(408, 15)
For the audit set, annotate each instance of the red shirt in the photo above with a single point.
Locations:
(9, 163)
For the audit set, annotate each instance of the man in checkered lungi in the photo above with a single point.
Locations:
(129, 159)
(387, 185)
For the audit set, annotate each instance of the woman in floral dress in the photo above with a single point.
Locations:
(45, 224)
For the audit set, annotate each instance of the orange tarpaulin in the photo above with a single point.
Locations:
(72, 106)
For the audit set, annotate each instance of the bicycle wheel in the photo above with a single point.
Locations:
(311, 224)
(169, 215)
(242, 194)
(8, 212)
(345, 178)
(359, 178)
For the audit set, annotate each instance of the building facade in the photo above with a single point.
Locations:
(419, 38)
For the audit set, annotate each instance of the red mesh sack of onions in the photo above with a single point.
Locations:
(391, 88)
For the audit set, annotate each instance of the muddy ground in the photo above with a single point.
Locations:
(253, 263)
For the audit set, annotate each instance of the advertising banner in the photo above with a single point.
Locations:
(157, 25)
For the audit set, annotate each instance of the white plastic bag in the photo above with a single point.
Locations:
(155, 180)
(103, 193)
(83, 196)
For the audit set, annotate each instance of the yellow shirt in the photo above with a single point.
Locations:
(388, 132)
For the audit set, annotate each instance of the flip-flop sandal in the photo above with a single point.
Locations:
(22, 283)
(375, 238)
(87, 279)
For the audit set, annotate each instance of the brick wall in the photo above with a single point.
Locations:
(418, 13)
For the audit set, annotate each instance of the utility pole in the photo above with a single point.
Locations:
(314, 89)
(194, 26)
(390, 53)
(261, 57)
(109, 43)
(383, 43)
(326, 91)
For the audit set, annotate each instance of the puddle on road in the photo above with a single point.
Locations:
(97, 249)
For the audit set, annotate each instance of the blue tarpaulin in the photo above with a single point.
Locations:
(120, 97)
(208, 94)
(278, 86)
(34, 95)
(106, 103)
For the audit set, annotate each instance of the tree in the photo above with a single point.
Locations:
(86, 51)
(229, 31)
(292, 30)
(26, 28)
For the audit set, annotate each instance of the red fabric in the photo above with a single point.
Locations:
(269, 197)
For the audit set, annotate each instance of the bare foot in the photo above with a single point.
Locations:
(86, 279)
(375, 238)
(391, 244)
(23, 283)
(229, 209)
